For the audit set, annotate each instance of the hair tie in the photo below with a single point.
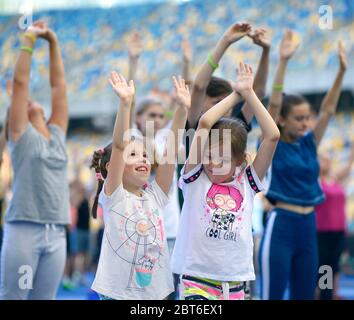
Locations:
(99, 176)
(102, 151)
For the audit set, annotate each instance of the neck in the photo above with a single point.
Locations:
(133, 189)
(287, 138)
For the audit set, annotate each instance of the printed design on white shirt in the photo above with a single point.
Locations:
(139, 242)
(224, 211)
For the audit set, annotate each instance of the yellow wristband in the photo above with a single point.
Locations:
(31, 36)
(211, 62)
(27, 49)
(277, 87)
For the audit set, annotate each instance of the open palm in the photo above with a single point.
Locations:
(120, 86)
(183, 96)
(288, 45)
(244, 80)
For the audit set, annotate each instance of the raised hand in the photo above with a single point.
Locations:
(237, 31)
(342, 56)
(120, 86)
(183, 96)
(288, 45)
(186, 50)
(40, 29)
(259, 37)
(244, 82)
(135, 45)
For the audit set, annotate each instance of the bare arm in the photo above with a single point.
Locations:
(270, 131)
(60, 109)
(206, 122)
(116, 167)
(259, 37)
(134, 51)
(165, 171)
(288, 47)
(330, 101)
(233, 34)
(18, 116)
(344, 172)
(187, 59)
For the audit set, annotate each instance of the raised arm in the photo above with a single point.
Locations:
(60, 112)
(18, 116)
(206, 122)
(330, 101)
(232, 34)
(135, 48)
(187, 60)
(270, 131)
(344, 172)
(165, 171)
(288, 47)
(259, 37)
(126, 93)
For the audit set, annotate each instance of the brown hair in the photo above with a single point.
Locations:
(99, 161)
(238, 136)
(290, 101)
(218, 87)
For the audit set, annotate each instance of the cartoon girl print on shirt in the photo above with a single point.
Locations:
(224, 200)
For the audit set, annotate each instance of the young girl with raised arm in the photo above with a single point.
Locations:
(288, 252)
(134, 261)
(214, 247)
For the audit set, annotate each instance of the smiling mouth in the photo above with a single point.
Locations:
(142, 169)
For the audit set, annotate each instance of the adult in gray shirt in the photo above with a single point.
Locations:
(34, 246)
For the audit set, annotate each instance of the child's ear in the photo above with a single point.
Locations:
(107, 165)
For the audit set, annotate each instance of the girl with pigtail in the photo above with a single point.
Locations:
(134, 260)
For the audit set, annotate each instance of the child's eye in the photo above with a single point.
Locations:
(132, 154)
(144, 155)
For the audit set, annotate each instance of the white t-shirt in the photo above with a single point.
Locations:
(172, 210)
(134, 263)
(214, 239)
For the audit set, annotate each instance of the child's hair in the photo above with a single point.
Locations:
(238, 136)
(225, 190)
(99, 161)
(218, 87)
(290, 101)
(146, 102)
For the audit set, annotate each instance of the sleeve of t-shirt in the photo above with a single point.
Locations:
(57, 132)
(28, 143)
(107, 202)
(309, 141)
(161, 197)
(253, 180)
(188, 178)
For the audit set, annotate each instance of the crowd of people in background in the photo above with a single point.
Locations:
(157, 231)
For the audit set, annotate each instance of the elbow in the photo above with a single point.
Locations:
(204, 123)
(199, 86)
(20, 81)
(274, 136)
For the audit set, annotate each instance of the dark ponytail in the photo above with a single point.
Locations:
(99, 161)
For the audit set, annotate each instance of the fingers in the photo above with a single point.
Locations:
(118, 79)
(244, 69)
(179, 83)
